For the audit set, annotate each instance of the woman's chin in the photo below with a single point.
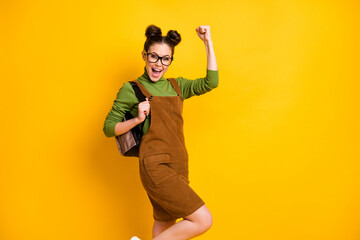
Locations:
(155, 79)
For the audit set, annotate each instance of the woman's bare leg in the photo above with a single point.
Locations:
(193, 225)
(159, 227)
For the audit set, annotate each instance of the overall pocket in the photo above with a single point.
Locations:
(157, 168)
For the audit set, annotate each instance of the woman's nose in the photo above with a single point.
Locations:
(158, 63)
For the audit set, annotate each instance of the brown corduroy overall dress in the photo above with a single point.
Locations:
(163, 159)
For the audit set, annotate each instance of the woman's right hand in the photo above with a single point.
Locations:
(143, 110)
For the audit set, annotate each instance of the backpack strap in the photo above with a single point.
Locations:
(143, 90)
(140, 96)
(176, 86)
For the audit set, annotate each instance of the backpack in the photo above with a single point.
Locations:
(129, 142)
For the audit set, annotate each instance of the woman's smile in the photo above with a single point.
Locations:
(156, 72)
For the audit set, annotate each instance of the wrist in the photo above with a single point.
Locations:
(208, 42)
(137, 120)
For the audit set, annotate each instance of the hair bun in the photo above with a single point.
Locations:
(153, 31)
(174, 37)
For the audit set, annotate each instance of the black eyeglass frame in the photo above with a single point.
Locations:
(158, 57)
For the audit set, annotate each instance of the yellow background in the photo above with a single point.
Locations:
(274, 150)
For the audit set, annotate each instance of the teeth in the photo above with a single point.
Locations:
(155, 70)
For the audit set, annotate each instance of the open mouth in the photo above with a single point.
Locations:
(156, 72)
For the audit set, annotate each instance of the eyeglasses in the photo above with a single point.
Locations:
(153, 58)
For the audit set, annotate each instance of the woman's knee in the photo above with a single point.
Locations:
(202, 217)
(206, 221)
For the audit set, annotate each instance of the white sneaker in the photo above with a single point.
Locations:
(135, 238)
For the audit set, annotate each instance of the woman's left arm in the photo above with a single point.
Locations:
(200, 86)
(204, 34)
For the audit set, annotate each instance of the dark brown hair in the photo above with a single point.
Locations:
(154, 35)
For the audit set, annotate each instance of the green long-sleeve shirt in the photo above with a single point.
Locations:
(126, 99)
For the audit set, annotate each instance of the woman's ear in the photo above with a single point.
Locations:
(143, 55)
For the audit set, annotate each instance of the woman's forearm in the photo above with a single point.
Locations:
(123, 127)
(211, 60)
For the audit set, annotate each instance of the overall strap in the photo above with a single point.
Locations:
(176, 86)
(143, 90)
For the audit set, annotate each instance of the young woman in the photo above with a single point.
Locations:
(163, 159)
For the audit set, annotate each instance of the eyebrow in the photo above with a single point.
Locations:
(159, 55)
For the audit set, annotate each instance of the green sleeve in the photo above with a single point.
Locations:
(198, 86)
(125, 101)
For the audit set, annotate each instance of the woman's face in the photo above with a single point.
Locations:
(157, 70)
